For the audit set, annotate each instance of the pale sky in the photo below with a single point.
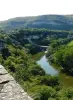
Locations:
(20, 8)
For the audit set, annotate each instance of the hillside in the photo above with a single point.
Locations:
(18, 58)
(60, 22)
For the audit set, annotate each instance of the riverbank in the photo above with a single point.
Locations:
(54, 70)
(38, 56)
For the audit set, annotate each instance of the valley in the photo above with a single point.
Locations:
(53, 70)
(40, 59)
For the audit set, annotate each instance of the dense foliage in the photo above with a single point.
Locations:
(32, 77)
(18, 60)
(25, 70)
(62, 54)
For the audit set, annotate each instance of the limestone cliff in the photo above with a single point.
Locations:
(9, 88)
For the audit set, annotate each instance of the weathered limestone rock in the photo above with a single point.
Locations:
(9, 88)
(6, 78)
(2, 70)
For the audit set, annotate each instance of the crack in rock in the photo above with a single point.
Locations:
(2, 85)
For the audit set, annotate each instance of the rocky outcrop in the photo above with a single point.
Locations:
(9, 88)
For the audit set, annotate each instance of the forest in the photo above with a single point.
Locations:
(17, 58)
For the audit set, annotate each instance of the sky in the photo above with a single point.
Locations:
(21, 8)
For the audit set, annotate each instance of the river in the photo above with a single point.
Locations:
(66, 80)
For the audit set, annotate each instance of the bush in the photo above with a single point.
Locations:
(37, 71)
(49, 80)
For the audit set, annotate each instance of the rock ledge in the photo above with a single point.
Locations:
(9, 88)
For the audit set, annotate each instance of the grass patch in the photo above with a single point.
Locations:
(70, 43)
(38, 56)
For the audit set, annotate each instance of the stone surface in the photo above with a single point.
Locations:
(1, 66)
(2, 70)
(6, 78)
(10, 89)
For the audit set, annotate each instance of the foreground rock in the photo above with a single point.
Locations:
(9, 88)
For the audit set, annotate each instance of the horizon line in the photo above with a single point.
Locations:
(35, 16)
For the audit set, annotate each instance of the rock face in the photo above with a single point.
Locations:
(9, 88)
